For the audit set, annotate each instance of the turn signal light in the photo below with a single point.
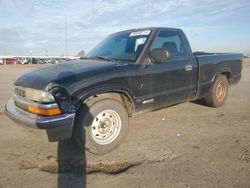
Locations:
(45, 112)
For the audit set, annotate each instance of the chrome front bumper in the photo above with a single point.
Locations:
(58, 127)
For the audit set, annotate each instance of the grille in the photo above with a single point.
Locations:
(19, 92)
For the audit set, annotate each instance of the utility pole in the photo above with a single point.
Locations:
(30, 56)
(66, 36)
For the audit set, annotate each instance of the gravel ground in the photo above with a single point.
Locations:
(186, 145)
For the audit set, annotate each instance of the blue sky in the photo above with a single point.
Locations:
(37, 26)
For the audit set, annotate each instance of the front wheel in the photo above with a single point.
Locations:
(218, 94)
(102, 127)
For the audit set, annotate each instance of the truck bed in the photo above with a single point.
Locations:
(211, 64)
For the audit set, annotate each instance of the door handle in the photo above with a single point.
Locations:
(189, 67)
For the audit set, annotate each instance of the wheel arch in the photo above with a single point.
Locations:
(226, 71)
(119, 93)
(228, 74)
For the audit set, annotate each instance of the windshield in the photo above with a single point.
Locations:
(125, 46)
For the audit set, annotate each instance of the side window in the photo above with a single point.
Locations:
(172, 42)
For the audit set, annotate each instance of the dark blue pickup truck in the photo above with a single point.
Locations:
(129, 72)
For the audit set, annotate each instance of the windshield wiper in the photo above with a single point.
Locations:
(100, 57)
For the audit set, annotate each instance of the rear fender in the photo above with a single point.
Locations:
(226, 71)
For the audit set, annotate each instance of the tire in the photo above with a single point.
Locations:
(102, 127)
(218, 94)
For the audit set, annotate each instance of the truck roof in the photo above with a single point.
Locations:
(148, 28)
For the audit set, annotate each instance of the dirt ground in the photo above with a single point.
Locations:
(187, 145)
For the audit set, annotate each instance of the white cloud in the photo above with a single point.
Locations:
(41, 24)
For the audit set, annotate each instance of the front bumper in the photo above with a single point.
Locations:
(58, 127)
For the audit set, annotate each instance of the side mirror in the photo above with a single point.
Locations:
(159, 55)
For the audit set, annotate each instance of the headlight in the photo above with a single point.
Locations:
(38, 95)
(34, 94)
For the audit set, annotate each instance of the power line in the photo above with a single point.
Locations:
(66, 36)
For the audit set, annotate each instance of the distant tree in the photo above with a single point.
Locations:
(81, 54)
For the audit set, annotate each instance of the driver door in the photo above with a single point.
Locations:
(168, 82)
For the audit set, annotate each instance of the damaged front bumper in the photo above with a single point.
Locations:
(59, 127)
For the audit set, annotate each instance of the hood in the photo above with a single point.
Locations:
(65, 74)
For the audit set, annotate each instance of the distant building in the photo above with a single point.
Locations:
(245, 55)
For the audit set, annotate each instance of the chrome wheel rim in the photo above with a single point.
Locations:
(106, 127)
(221, 91)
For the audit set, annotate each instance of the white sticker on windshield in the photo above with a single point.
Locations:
(137, 33)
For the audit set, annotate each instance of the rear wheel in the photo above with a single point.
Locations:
(102, 127)
(219, 92)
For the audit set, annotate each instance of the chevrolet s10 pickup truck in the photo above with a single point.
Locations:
(129, 72)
